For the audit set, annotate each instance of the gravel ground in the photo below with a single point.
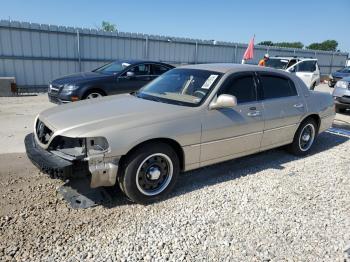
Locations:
(269, 206)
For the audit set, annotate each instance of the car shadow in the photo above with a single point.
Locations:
(233, 169)
(210, 175)
(250, 165)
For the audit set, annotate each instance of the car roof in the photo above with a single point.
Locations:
(292, 57)
(138, 61)
(231, 68)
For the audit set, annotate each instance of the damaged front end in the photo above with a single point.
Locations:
(66, 157)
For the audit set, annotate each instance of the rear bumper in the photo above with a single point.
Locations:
(48, 163)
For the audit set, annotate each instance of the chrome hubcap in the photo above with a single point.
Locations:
(307, 136)
(153, 173)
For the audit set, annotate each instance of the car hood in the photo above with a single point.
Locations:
(90, 117)
(340, 74)
(79, 78)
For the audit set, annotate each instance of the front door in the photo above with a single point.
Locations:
(138, 76)
(231, 132)
(307, 71)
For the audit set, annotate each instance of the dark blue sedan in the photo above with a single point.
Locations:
(114, 78)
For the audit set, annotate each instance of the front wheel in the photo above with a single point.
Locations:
(330, 84)
(304, 138)
(93, 94)
(149, 173)
(313, 86)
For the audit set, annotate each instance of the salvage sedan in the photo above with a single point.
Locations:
(189, 117)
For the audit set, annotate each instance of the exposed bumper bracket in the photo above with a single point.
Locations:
(103, 173)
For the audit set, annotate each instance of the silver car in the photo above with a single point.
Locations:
(341, 94)
(189, 117)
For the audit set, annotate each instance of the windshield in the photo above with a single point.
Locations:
(187, 87)
(277, 63)
(112, 68)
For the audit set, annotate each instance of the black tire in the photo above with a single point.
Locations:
(297, 147)
(330, 84)
(313, 86)
(91, 92)
(139, 186)
(340, 110)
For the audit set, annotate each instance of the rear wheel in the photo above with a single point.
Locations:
(330, 84)
(304, 138)
(149, 173)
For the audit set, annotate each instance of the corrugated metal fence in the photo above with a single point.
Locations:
(37, 53)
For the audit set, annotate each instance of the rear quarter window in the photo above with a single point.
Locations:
(277, 87)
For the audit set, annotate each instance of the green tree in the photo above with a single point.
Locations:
(290, 44)
(328, 45)
(283, 44)
(266, 43)
(108, 27)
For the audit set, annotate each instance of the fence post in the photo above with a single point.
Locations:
(78, 50)
(236, 47)
(196, 53)
(146, 47)
(331, 67)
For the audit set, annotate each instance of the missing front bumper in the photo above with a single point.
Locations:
(103, 171)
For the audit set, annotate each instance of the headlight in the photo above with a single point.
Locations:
(96, 145)
(342, 84)
(69, 88)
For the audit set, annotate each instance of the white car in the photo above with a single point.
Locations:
(305, 68)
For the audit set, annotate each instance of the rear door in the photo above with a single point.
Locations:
(283, 109)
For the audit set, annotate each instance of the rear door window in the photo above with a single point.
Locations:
(307, 66)
(277, 87)
(159, 69)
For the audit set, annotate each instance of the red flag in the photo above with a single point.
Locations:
(249, 53)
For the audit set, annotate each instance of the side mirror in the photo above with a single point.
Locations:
(292, 69)
(130, 74)
(224, 101)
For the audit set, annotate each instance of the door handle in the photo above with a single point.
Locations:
(256, 113)
(300, 105)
